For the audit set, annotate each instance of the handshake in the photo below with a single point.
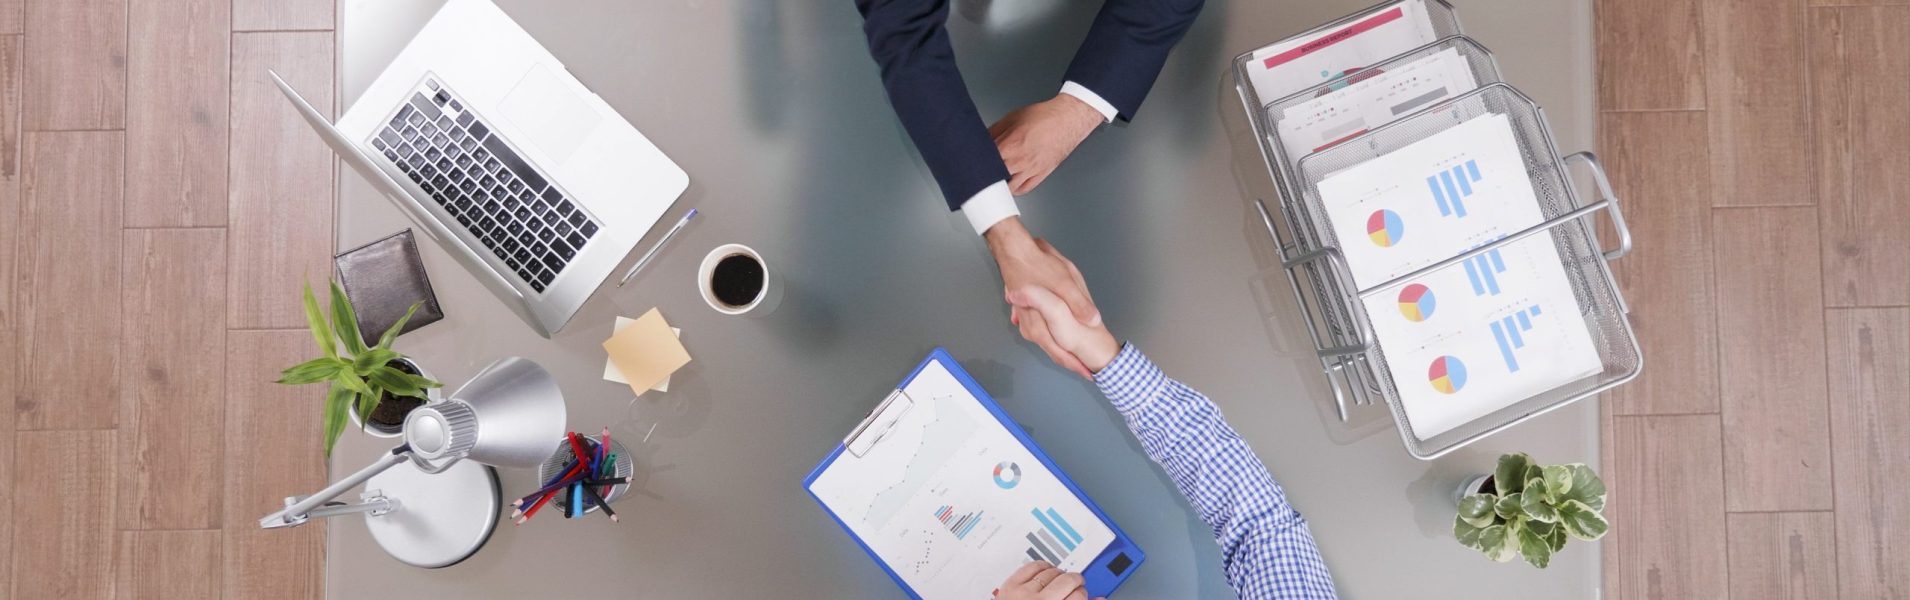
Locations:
(1050, 301)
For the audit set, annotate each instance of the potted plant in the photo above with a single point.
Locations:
(1524, 509)
(375, 385)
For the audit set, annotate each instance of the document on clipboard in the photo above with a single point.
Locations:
(950, 496)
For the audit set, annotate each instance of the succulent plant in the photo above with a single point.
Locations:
(1531, 510)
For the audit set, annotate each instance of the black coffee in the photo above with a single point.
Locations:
(737, 280)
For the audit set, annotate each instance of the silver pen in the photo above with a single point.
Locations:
(657, 248)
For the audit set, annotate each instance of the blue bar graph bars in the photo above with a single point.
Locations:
(1509, 332)
(1451, 187)
(1483, 271)
(1055, 540)
(959, 525)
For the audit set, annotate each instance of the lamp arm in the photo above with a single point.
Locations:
(296, 513)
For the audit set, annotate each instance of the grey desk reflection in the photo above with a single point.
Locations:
(776, 111)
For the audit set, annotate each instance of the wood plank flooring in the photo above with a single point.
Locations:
(1766, 179)
(160, 206)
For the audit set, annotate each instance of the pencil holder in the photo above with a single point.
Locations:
(624, 467)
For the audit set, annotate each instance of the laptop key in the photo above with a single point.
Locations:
(576, 240)
(393, 157)
(565, 252)
(563, 228)
(564, 207)
(440, 140)
(590, 229)
(433, 154)
(478, 130)
(535, 286)
(464, 119)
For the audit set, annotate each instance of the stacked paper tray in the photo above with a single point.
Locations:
(1300, 135)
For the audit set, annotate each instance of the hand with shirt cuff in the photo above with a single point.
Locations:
(1036, 138)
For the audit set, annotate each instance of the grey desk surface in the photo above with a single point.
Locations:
(776, 112)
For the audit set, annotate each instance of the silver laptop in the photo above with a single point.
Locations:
(534, 183)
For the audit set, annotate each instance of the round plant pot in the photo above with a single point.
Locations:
(1477, 484)
(392, 407)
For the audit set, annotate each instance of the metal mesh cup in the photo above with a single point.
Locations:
(625, 467)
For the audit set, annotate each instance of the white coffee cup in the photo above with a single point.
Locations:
(766, 299)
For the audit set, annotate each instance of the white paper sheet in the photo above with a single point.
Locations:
(1500, 327)
(1375, 100)
(1298, 64)
(949, 498)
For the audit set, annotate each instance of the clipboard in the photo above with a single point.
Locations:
(1107, 571)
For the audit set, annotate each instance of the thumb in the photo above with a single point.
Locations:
(1039, 299)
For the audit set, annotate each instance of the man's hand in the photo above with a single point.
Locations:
(1035, 138)
(1092, 345)
(1042, 581)
(1028, 262)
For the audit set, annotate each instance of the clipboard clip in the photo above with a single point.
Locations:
(878, 424)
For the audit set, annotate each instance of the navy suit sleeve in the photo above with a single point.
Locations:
(909, 41)
(1127, 46)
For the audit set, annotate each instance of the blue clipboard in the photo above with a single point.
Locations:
(1108, 571)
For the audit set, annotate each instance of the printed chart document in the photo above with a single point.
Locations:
(1376, 99)
(953, 502)
(1338, 54)
(1485, 333)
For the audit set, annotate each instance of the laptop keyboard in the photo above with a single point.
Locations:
(494, 193)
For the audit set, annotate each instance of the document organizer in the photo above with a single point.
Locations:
(1322, 282)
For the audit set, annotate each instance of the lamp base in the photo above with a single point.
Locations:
(441, 519)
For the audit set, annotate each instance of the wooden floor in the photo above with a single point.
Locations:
(1762, 151)
(160, 205)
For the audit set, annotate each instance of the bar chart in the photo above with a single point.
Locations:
(1509, 333)
(1483, 271)
(1451, 188)
(958, 524)
(1055, 540)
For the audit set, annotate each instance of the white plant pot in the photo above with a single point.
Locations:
(377, 430)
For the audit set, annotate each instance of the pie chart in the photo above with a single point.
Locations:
(1416, 302)
(1007, 475)
(1447, 374)
(1385, 228)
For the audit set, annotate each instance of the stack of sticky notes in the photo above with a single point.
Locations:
(644, 352)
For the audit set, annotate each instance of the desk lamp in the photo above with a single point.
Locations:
(442, 511)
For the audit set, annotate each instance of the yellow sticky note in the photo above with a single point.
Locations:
(646, 351)
(612, 373)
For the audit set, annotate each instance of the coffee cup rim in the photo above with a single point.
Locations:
(708, 268)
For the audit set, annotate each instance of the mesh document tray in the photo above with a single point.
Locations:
(1332, 326)
(1566, 223)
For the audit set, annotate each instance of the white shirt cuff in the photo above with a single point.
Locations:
(1086, 95)
(990, 206)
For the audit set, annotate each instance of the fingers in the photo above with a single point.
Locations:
(1035, 329)
(1027, 572)
(1065, 586)
(1018, 182)
(1080, 594)
(1047, 575)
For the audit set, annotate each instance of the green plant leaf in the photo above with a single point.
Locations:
(1508, 506)
(391, 335)
(1556, 537)
(1477, 510)
(394, 381)
(335, 402)
(1510, 477)
(352, 381)
(321, 332)
(1532, 503)
(1586, 487)
(373, 360)
(423, 382)
(1493, 542)
(345, 322)
(369, 402)
(1581, 522)
(1537, 551)
(312, 371)
(1467, 534)
(1558, 480)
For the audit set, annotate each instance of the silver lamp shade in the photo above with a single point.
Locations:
(506, 416)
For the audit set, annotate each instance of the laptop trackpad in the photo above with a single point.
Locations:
(555, 119)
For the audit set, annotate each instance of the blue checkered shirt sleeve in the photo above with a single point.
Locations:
(1266, 549)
